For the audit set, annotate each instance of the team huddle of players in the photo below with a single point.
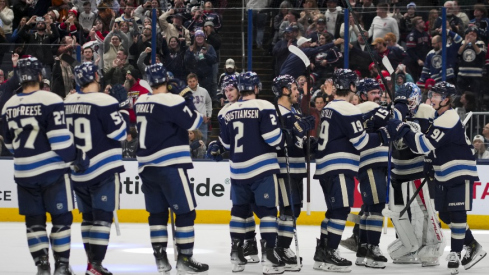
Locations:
(77, 141)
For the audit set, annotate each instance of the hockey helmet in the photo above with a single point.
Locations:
(85, 73)
(156, 74)
(178, 87)
(414, 98)
(247, 81)
(366, 85)
(343, 78)
(280, 82)
(29, 69)
(229, 80)
(443, 88)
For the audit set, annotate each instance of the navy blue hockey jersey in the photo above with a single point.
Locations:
(452, 157)
(341, 137)
(250, 131)
(297, 161)
(98, 128)
(163, 123)
(35, 132)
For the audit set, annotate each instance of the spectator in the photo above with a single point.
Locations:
(114, 42)
(281, 49)
(291, 20)
(353, 31)
(63, 78)
(471, 54)
(455, 23)
(105, 14)
(460, 14)
(480, 148)
(141, 42)
(87, 55)
(332, 15)
(406, 25)
(2, 78)
(394, 54)
(135, 88)
(145, 10)
(141, 61)
(4, 47)
(481, 21)
(307, 17)
(46, 85)
(367, 9)
(97, 33)
(468, 101)
(6, 19)
(284, 9)
(197, 21)
(175, 29)
(117, 73)
(39, 42)
(210, 15)
(485, 133)
(87, 17)
(213, 39)
(430, 24)
(390, 40)
(294, 66)
(180, 8)
(355, 99)
(320, 29)
(199, 59)
(259, 18)
(402, 76)
(382, 23)
(202, 102)
(197, 145)
(326, 62)
(174, 62)
(229, 69)
(417, 46)
(15, 38)
(135, 23)
(359, 57)
(130, 145)
(71, 27)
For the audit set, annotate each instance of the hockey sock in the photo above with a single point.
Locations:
(362, 230)
(469, 238)
(100, 234)
(184, 232)
(61, 236)
(268, 230)
(37, 237)
(458, 227)
(324, 230)
(285, 231)
(238, 223)
(250, 227)
(374, 228)
(86, 226)
(336, 225)
(158, 228)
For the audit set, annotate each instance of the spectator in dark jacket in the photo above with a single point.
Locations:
(281, 49)
(174, 60)
(130, 145)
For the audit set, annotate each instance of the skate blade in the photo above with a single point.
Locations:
(293, 267)
(238, 268)
(273, 270)
(373, 264)
(331, 268)
(360, 261)
(430, 263)
(252, 259)
(413, 261)
(185, 272)
(453, 271)
(162, 272)
(477, 259)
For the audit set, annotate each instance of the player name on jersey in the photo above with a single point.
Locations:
(23, 111)
(145, 108)
(241, 114)
(78, 109)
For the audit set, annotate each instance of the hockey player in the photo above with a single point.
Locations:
(341, 137)
(454, 171)
(35, 132)
(291, 193)
(164, 158)
(98, 129)
(372, 175)
(250, 131)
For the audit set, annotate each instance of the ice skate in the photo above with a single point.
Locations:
(361, 254)
(273, 264)
(350, 243)
(410, 258)
(473, 254)
(250, 250)
(430, 261)
(289, 258)
(237, 255)
(453, 259)
(161, 260)
(96, 268)
(328, 259)
(188, 265)
(62, 268)
(375, 258)
(43, 268)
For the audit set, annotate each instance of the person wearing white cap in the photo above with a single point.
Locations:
(480, 148)
(229, 69)
(294, 66)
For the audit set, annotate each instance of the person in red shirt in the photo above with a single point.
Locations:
(135, 87)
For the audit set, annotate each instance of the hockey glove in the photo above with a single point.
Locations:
(428, 170)
(402, 95)
(81, 162)
(384, 136)
(397, 129)
(303, 125)
(313, 146)
(215, 150)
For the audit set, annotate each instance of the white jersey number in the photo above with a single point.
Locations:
(324, 135)
(239, 126)
(82, 131)
(143, 123)
(17, 131)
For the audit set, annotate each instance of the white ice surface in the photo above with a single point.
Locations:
(131, 252)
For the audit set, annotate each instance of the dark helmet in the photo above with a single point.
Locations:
(280, 82)
(247, 81)
(443, 88)
(343, 78)
(85, 73)
(366, 85)
(156, 74)
(29, 69)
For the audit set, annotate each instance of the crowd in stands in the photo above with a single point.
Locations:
(117, 36)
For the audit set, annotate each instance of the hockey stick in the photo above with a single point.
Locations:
(172, 220)
(287, 166)
(299, 53)
(116, 223)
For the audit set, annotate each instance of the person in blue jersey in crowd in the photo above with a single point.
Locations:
(291, 193)
(98, 128)
(250, 130)
(163, 120)
(372, 175)
(341, 137)
(36, 134)
(453, 170)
